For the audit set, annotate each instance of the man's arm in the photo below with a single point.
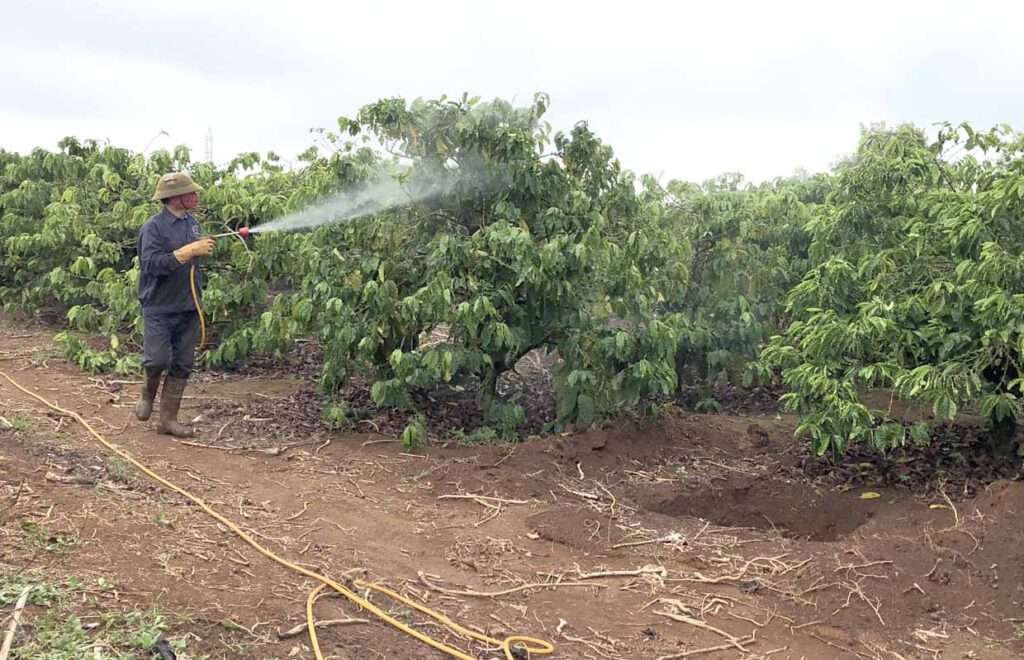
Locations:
(152, 260)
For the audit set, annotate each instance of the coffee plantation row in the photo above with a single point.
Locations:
(901, 269)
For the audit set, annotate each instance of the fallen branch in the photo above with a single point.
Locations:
(201, 445)
(594, 646)
(732, 469)
(709, 649)
(855, 588)
(956, 514)
(835, 646)
(303, 627)
(610, 495)
(5, 650)
(305, 506)
(857, 566)
(674, 536)
(377, 442)
(697, 623)
(650, 569)
(425, 581)
(61, 479)
(580, 493)
(699, 577)
(14, 502)
(269, 451)
(481, 497)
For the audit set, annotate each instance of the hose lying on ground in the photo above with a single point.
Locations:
(529, 644)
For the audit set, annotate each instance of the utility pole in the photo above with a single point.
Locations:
(209, 144)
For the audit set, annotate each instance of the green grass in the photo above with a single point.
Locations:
(161, 521)
(119, 468)
(39, 537)
(485, 435)
(40, 354)
(18, 424)
(63, 632)
(12, 584)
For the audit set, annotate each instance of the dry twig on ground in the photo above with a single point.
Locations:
(734, 641)
(15, 619)
(303, 627)
(425, 580)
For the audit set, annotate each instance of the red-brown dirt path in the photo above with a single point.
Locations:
(689, 532)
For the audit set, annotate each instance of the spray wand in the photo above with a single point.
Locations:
(243, 232)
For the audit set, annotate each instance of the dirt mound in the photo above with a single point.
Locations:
(1001, 506)
(533, 467)
(1005, 497)
(625, 442)
(576, 527)
(766, 504)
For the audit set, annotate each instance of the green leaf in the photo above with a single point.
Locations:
(585, 411)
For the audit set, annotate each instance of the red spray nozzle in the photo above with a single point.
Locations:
(244, 232)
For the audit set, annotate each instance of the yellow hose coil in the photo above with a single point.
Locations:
(529, 644)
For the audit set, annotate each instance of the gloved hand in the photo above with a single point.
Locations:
(201, 248)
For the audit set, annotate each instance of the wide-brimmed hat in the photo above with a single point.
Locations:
(174, 184)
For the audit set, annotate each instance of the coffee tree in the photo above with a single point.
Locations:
(915, 286)
(749, 248)
(523, 241)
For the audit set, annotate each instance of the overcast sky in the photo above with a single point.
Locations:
(680, 90)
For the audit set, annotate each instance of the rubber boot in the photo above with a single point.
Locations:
(144, 408)
(170, 403)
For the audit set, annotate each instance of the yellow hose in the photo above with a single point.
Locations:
(529, 644)
(199, 308)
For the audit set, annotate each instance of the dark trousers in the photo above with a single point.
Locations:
(169, 342)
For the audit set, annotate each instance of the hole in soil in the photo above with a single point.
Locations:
(794, 509)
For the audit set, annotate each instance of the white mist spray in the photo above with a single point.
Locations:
(380, 196)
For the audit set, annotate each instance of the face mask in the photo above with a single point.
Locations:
(190, 202)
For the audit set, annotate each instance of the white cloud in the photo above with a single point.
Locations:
(688, 90)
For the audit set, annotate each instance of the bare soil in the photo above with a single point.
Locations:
(689, 532)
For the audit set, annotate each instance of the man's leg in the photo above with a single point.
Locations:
(184, 337)
(156, 357)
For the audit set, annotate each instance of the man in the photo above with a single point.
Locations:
(168, 246)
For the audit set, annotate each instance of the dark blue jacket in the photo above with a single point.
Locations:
(163, 282)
